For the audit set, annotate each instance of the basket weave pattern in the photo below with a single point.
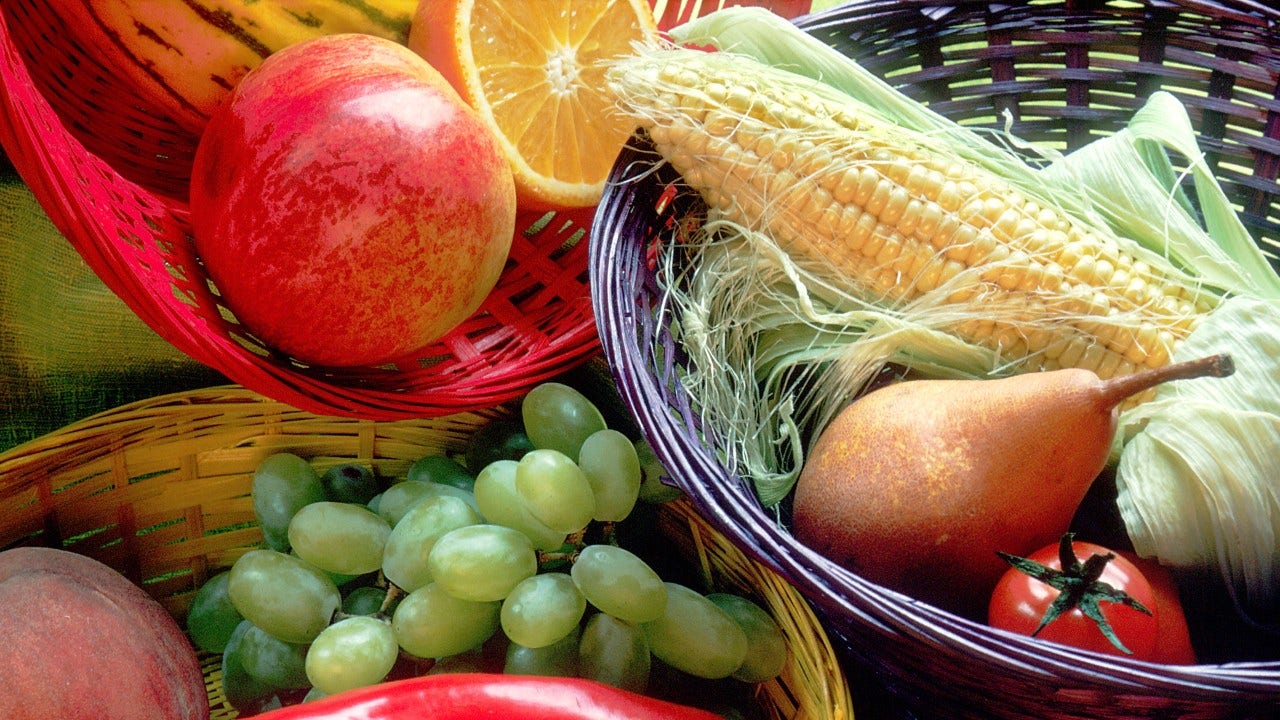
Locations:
(159, 489)
(114, 182)
(1066, 71)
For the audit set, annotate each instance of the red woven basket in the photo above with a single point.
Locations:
(1067, 70)
(113, 178)
(114, 181)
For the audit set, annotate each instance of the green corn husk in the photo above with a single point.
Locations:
(777, 351)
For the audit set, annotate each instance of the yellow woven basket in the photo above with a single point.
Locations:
(159, 489)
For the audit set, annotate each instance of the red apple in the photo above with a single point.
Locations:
(78, 641)
(348, 205)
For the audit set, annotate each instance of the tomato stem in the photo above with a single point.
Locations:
(1078, 586)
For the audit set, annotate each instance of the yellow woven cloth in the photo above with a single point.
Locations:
(68, 346)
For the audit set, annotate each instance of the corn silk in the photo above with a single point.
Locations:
(777, 348)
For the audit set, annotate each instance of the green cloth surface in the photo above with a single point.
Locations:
(69, 347)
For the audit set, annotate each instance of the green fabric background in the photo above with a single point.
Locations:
(68, 346)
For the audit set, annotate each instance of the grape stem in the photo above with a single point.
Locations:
(394, 592)
(574, 543)
(602, 531)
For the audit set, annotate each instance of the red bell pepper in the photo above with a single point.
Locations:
(466, 696)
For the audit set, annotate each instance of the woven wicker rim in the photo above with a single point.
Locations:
(922, 652)
(536, 322)
(167, 480)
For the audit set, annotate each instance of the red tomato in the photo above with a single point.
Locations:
(1173, 643)
(1020, 601)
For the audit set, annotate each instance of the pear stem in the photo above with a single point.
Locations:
(1117, 389)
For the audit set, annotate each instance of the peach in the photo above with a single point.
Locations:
(79, 641)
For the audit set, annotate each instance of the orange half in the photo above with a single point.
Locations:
(534, 71)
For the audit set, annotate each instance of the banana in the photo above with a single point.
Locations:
(183, 57)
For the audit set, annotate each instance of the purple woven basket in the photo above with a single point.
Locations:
(1067, 71)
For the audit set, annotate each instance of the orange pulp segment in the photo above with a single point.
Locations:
(533, 69)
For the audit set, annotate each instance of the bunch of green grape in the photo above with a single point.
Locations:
(501, 559)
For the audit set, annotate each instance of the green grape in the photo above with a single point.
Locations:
(212, 618)
(282, 484)
(350, 482)
(313, 694)
(614, 652)
(608, 459)
(339, 537)
(652, 488)
(351, 653)
(404, 561)
(402, 496)
(558, 417)
(541, 609)
(442, 470)
(496, 440)
(282, 594)
(618, 582)
(481, 562)
(555, 490)
(695, 636)
(766, 645)
(364, 600)
(245, 693)
(339, 579)
(276, 663)
(467, 496)
(559, 659)
(431, 623)
(501, 504)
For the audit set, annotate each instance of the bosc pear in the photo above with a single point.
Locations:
(916, 485)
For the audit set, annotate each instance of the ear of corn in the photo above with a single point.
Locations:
(848, 226)
(1125, 180)
(899, 217)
